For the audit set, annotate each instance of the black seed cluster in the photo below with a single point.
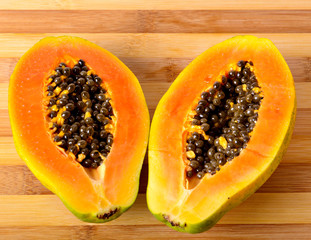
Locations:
(226, 113)
(78, 98)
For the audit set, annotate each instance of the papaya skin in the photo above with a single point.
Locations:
(178, 204)
(86, 198)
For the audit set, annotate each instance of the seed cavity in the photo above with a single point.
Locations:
(79, 113)
(221, 123)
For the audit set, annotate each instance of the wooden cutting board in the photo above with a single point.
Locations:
(157, 39)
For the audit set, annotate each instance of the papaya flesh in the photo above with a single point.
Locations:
(97, 190)
(195, 203)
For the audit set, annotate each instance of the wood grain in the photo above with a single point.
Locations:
(261, 208)
(164, 21)
(152, 4)
(157, 39)
(157, 45)
(99, 232)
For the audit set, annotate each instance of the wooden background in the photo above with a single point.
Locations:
(157, 39)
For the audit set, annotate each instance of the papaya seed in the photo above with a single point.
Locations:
(226, 114)
(77, 109)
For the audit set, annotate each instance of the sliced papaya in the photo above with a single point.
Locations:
(80, 122)
(219, 132)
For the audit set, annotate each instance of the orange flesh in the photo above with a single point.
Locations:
(60, 173)
(166, 151)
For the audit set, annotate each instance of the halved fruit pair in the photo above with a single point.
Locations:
(81, 124)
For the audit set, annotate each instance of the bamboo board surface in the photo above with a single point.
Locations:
(157, 39)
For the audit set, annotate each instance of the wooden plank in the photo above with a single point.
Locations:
(5, 127)
(226, 21)
(303, 123)
(17, 180)
(288, 178)
(155, 232)
(152, 4)
(298, 151)
(51, 232)
(8, 154)
(220, 231)
(303, 96)
(163, 45)
(260, 208)
(4, 88)
(294, 177)
(167, 69)
(155, 21)
(12, 180)
(62, 21)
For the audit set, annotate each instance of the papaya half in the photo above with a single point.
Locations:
(219, 132)
(80, 122)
